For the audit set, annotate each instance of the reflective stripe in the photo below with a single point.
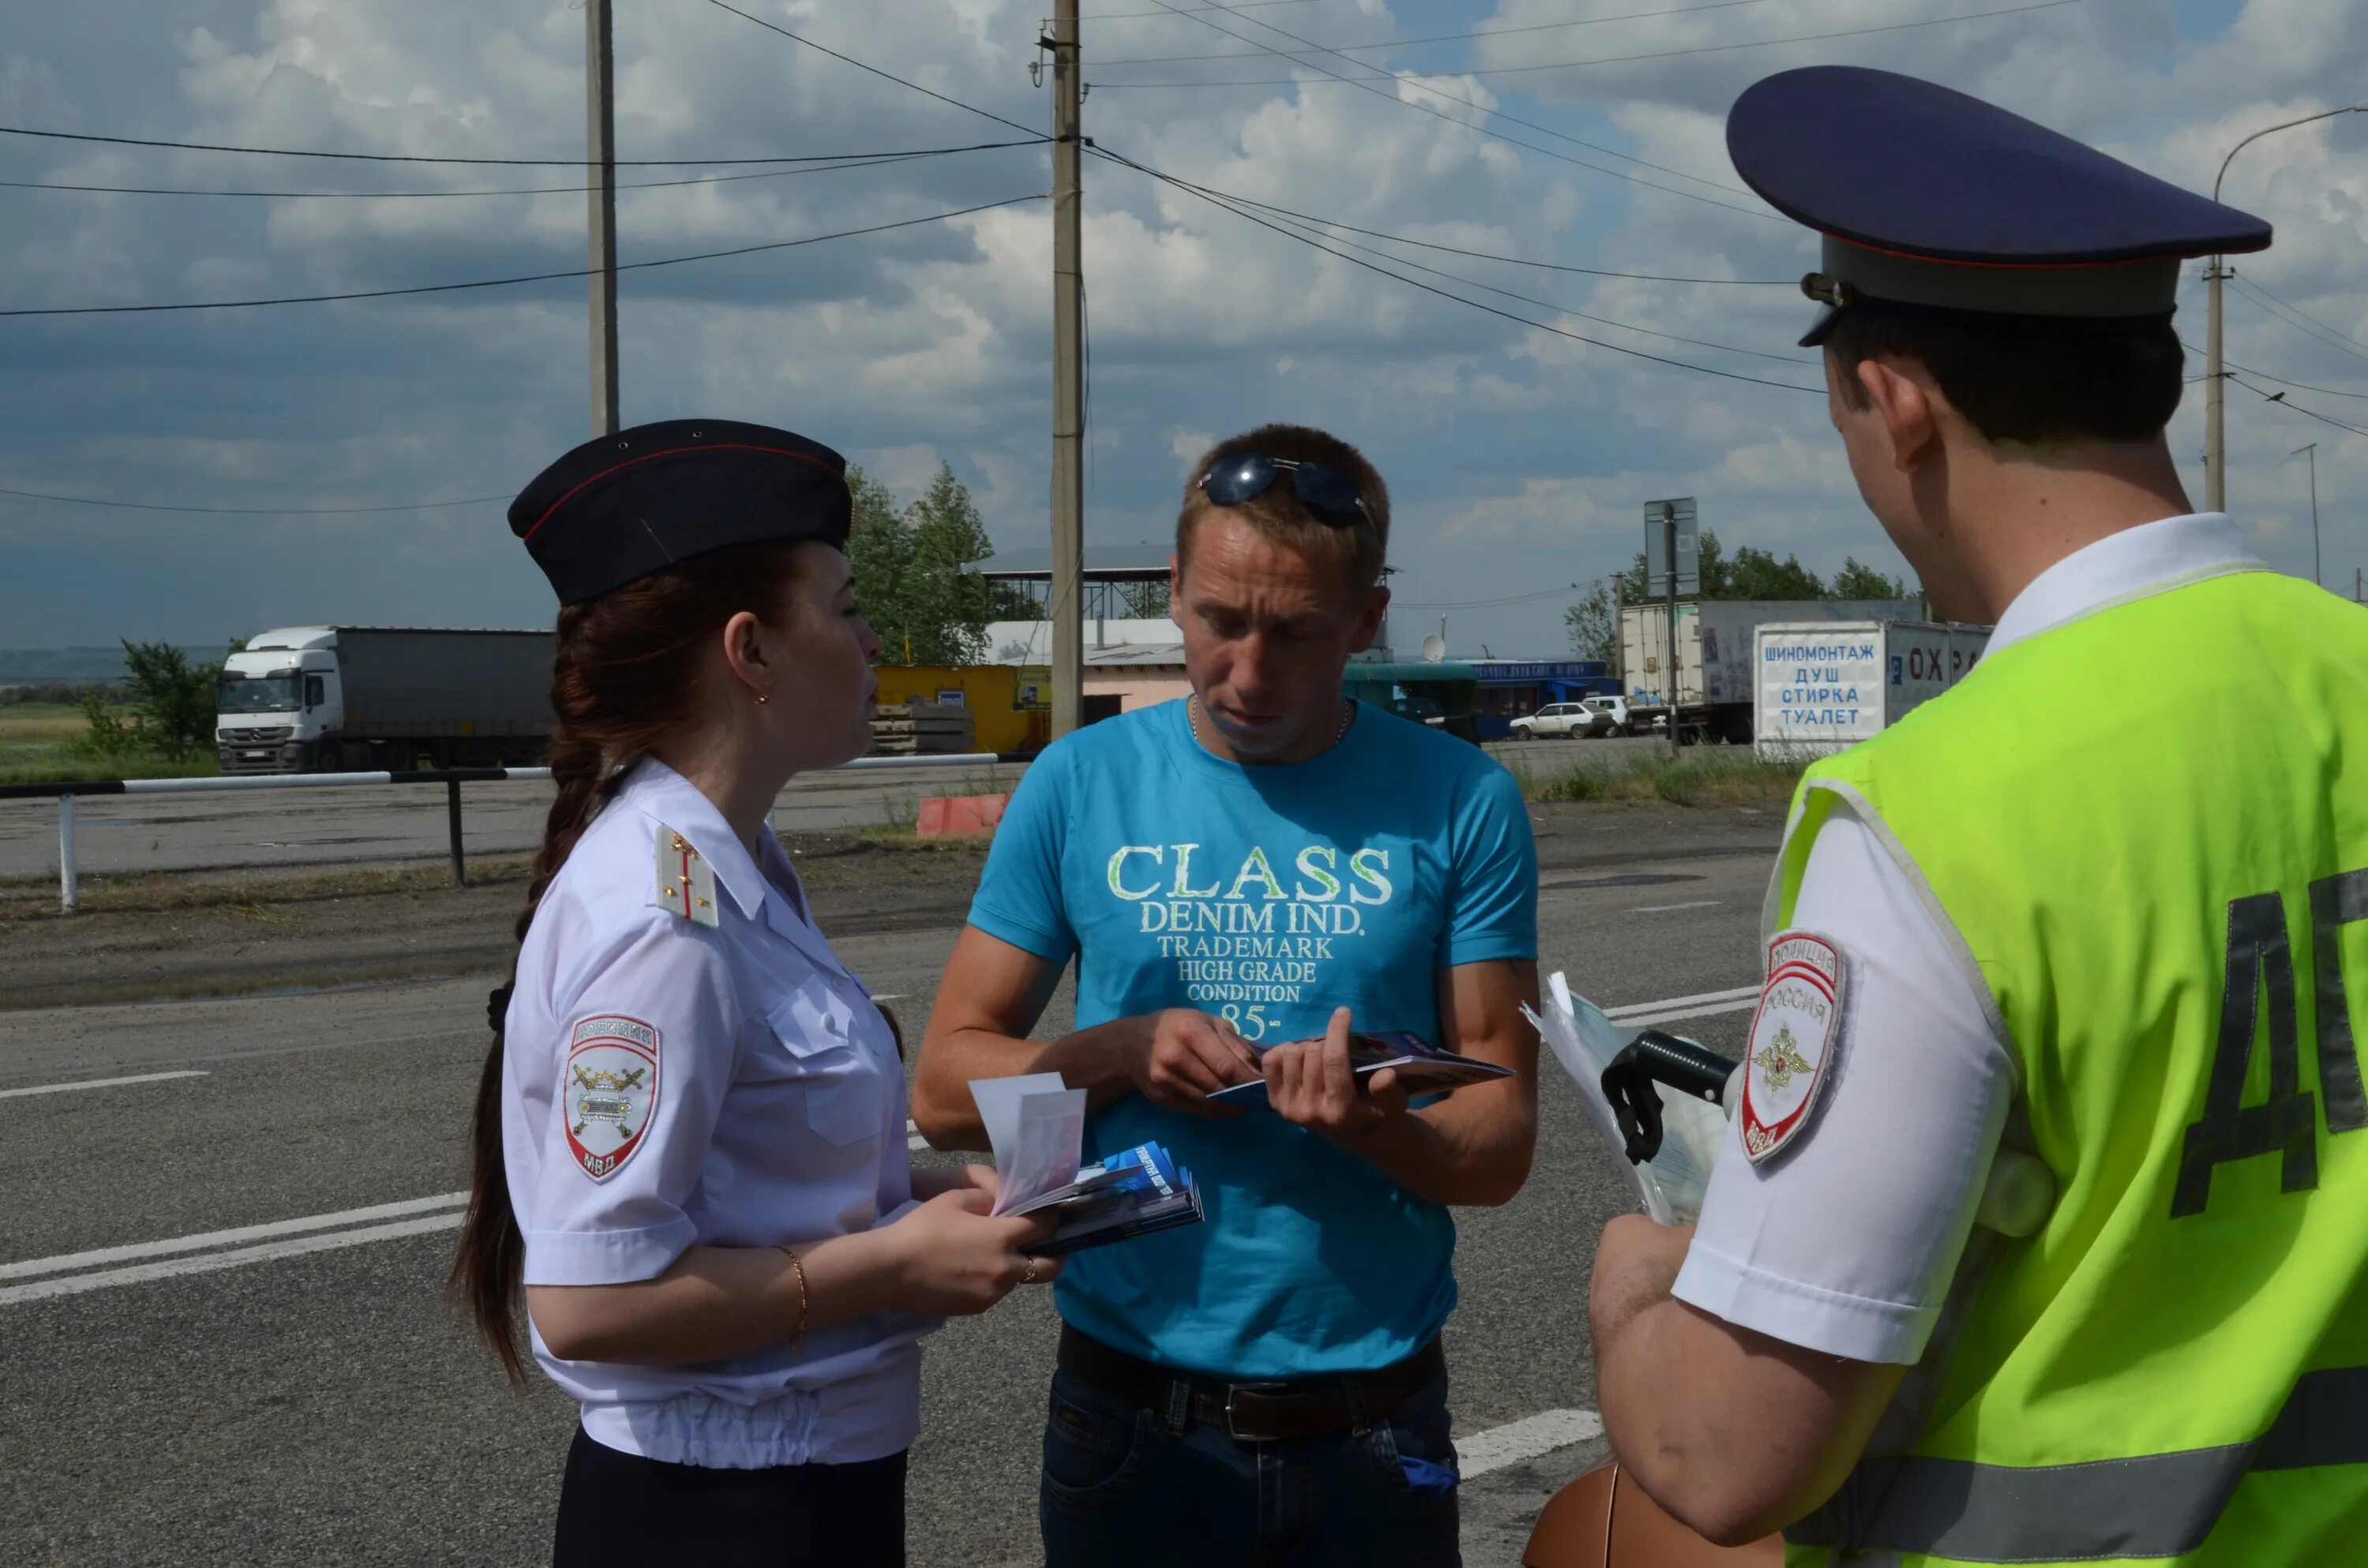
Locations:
(2160, 1506)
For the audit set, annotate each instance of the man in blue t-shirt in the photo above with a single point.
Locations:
(1241, 876)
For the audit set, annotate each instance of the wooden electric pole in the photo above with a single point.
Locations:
(600, 156)
(1068, 379)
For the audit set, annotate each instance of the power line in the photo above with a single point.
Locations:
(2284, 312)
(526, 278)
(1445, 294)
(1482, 604)
(860, 65)
(1444, 37)
(853, 161)
(256, 511)
(1245, 6)
(2282, 401)
(1490, 255)
(1423, 86)
(1364, 84)
(2264, 375)
(1553, 305)
(1618, 59)
(423, 158)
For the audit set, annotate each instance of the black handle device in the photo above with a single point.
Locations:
(1685, 1065)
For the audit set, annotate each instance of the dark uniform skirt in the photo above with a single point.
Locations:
(617, 1507)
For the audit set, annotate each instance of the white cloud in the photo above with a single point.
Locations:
(1517, 456)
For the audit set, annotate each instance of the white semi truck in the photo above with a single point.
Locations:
(362, 698)
(1717, 679)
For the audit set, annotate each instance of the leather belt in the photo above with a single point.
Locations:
(1252, 1411)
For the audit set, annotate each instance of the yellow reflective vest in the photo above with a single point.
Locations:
(2150, 829)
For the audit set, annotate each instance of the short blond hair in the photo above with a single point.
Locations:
(1358, 549)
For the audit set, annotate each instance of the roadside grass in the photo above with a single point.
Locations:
(1703, 775)
(249, 898)
(38, 746)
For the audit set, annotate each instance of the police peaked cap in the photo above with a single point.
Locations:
(619, 507)
(1936, 204)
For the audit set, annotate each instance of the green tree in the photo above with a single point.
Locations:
(174, 699)
(1858, 581)
(1146, 601)
(172, 707)
(1594, 626)
(909, 574)
(1756, 575)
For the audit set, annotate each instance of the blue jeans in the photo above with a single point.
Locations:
(1129, 1488)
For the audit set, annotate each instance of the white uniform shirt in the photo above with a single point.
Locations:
(1849, 1242)
(670, 1083)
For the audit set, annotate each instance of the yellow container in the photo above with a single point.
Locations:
(1003, 699)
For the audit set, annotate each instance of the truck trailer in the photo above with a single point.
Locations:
(1824, 686)
(365, 699)
(1717, 681)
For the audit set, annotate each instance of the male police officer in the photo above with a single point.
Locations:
(2083, 927)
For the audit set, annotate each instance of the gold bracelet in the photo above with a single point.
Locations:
(798, 1264)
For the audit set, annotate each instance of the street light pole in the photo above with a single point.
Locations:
(2215, 446)
(2312, 451)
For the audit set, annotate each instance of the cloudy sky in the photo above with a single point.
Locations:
(1518, 451)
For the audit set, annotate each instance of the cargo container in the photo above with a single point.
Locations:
(363, 698)
(1823, 685)
(1716, 680)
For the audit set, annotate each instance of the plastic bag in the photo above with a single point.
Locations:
(1670, 1186)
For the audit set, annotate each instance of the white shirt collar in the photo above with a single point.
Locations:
(2135, 563)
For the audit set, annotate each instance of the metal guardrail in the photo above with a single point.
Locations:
(65, 793)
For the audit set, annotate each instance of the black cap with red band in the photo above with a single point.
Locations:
(619, 507)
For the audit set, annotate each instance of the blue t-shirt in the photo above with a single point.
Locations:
(1268, 896)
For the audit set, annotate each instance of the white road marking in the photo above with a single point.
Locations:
(74, 1284)
(225, 1238)
(189, 1254)
(97, 1083)
(1674, 1014)
(1679, 1007)
(1524, 1439)
(1666, 908)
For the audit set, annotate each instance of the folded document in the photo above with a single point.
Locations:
(1422, 1068)
(1036, 1125)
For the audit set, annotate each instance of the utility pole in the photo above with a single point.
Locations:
(2312, 452)
(600, 156)
(2215, 451)
(2215, 445)
(1670, 554)
(1068, 376)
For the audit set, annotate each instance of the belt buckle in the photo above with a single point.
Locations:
(1234, 1390)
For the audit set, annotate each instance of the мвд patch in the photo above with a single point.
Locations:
(609, 1088)
(1793, 1039)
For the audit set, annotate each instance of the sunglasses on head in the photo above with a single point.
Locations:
(1326, 491)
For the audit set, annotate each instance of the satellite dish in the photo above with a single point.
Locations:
(1434, 648)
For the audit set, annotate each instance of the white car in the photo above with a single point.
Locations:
(1610, 715)
(1568, 720)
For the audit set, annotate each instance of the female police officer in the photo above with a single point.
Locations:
(690, 1144)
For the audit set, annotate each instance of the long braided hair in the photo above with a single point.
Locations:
(624, 678)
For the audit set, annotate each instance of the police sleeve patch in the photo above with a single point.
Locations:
(610, 1091)
(1793, 1038)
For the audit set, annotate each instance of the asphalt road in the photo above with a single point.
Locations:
(387, 824)
(173, 1395)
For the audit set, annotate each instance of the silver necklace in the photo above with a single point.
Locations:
(1193, 717)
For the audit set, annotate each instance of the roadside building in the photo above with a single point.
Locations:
(1511, 688)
